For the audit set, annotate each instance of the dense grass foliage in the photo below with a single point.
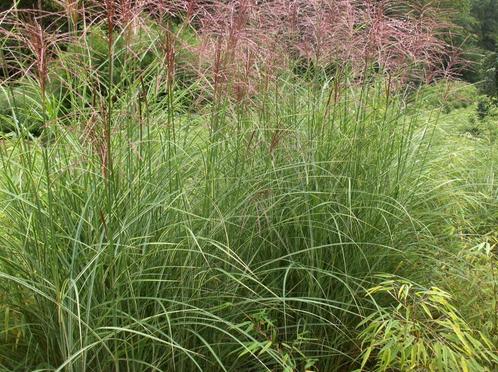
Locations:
(199, 231)
(158, 213)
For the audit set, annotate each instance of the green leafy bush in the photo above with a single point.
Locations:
(487, 74)
(472, 278)
(267, 339)
(421, 330)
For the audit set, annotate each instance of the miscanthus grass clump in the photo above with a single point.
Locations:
(242, 247)
(192, 200)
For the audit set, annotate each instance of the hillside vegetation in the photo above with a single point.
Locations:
(243, 186)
